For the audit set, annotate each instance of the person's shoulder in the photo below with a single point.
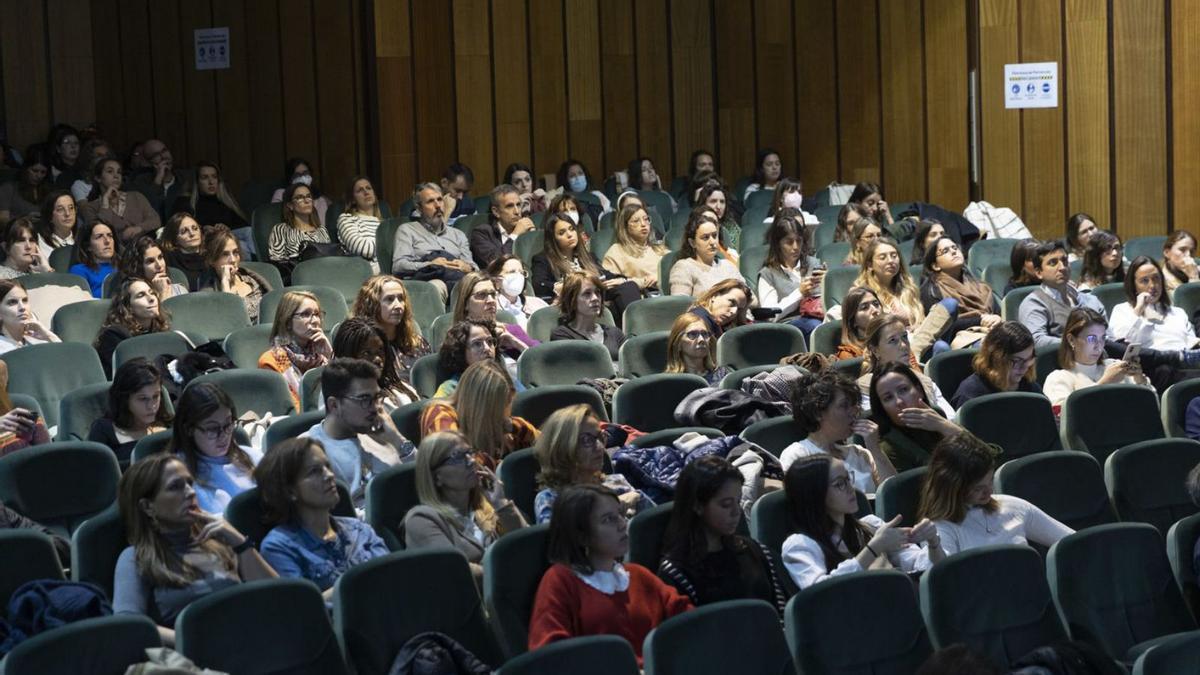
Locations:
(127, 558)
(1013, 504)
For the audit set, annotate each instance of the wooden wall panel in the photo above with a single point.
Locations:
(816, 94)
(433, 89)
(69, 25)
(736, 105)
(776, 80)
(901, 78)
(858, 91)
(1000, 151)
(1139, 116)
(393, 64)
(1042, 142)
(618, 79)
(335, 90)
(473, 89)
(135, 56)
(300, 124)
(1087, 122)
(27, 95)
(654, 104)
(109, 81)
(510, 70)
(548, 60)
(264, 75)
(585, 127)
(692, 79)
(1185, 110)
(233, 98)
(199, 90)
(946, 113)
(170, 111)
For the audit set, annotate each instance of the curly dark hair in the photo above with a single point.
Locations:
(452, 357)
(129, 263)
(814, 394)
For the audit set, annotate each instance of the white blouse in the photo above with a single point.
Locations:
(1015, 521)
(805, 561)
(859, 463)
(1171, 332)
(1060, 383)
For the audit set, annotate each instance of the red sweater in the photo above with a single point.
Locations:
(566, 607)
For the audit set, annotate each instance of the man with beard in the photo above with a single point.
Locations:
(428, 249)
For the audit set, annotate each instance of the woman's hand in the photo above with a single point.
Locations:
(321, 346)
(1189, 269)
(493, 489)
(1114, 372)
(34, 328)
(218, 529)
(1143, 301)
(18, 421)
(649, 282)
(162, 286)
(890, 537)
(630, 501)
(989, 321)
(614, 282)
(927, 418)
(40, 264)
(924, 531)
(506, 340)
(225, 275)
(869, 431)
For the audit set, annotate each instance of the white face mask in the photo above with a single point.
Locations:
(793, 200)
(513, 284)
(303, 179)
(573, 215)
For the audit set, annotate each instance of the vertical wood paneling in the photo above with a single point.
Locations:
(135, 58)
(27, 97)
(473, 85)
(816, 94)
(692, 80)
(300, 123)
(946, 115)
(1042, 142)
(618, 80)
(110, 99)
(585, 128)
(1000, 129)
(433, 89)
(736, 130)
(858, 90)
(776, 80)
(510, 72)
(233, 96)
(548, 63)
(393, 64)
(265, 89)
(69, 23)
(1139, 117)
(900, 56)
(1086, 79)
(199, 89)
(654, 87)
(1185, 101)
(335, 85)
(170, 113)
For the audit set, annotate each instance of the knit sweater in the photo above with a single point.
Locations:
(356, 231)
(691, 277)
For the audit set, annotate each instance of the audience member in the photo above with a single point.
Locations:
(505, 223)
(859, 306)
(384, 300)
(160, 181)
(129, 214)
(691, 348)
(926, 234)
(301, 226)
(1044, 311)
(298, 341)
(143, 259)
(94, 149)
(11, 520)
(729, 236)
(19, 241)
(210, 202)
(789, 194)
(361, 338)
(297, 171)
(574, 179)
(56, 227)
(1193, 488)
(1004, 363)
(582, 305)
(18, 324)
(790, 278)
(135, 409)
(182, 244)
(511, 279)
(887, 343)
(480, 408)
(1082, 361)
(634, 255)
(358, 224)
(848, 216)
(698, 266)
(25, 195)
(910, 423)
(224, 273)
(478, 300)
(1147, 317)
(1103, 261)
(643, 177)
(864, 233)
(456, 183)
(947, 277)
(1080, 228)
(135, 310)
(723, 306)
(1020, 261)
(428, 249)
(96, 248)
(1179, 262)
(467, 342)
(533, 198)
(19, 428)
(768, 169)
(564, 252)
(64, 146)
(870, 196)
(203, 438)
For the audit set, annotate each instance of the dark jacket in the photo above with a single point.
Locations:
(11, 520)
(486, 246)
(613, 337)
(655, 470)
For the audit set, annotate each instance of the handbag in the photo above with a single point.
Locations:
(311, 250)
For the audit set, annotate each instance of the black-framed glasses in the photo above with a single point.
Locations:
(366, 401)
(697, 335)
(457, 458)
(214, 432)
(484, 295)
(590, 439)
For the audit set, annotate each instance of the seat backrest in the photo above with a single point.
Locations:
(211, 314)
(648, 403)
(832, 254)
(108, 644)
(284, 618)
(826, 337)
(1146, 481)
(310, 389)
(262, 391)
(989, 252)
(385, 239)
(49, 371)
(1181, 547)
(436, 334)
(389, 497)
(149, 346)
(1110, 295)
(536, 405)
(564, 362)
(291, 427)
(266, 270)
(1067, 485)
(407, 419)
(1176, 654)
(512, 569)
(654, 314)
(60, 485)
(750, 260)
(1082, 568)
(590, 655)
(996, 276)
(518, 472)
(528, 245)
(1187, 297)
(770, 525)
(426, 302)
(889, 637)
(949, 369)
(646, 533)
(669, 259)
(28, 555)
(377, 608)
(900, 495)
(1010, 305)
(62, 257)
(697, 642)
(1002, 619)
(79, 408)
(837, 280)
(95, 546)
(759, 344)
(734, 379)
(644, 354)
(246, 513)
(773, 434)
(1175, 402)
(990, 417)
(1045, 361)
(41, 279)
(79, 322)
(426, 374)
(330, 299)
(1150, 246)
(244, 345)
(1103, 418)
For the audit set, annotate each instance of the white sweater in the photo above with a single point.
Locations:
(805, 561)
(1015, 521)
(1164, 333)
(1060, 383)
(859, 463)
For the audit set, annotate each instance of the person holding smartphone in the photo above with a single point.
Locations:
(791, 277)
(1082, 359)
(19, 427)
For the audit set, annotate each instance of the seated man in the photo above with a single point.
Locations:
(428, 249)
(495, 238)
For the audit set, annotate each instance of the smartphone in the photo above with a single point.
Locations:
(1131, 353)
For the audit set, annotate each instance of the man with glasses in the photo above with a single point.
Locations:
(159, 180)
(360, 438)
(495, 238)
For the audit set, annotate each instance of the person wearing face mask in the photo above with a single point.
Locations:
(428, 249)
(129, 214)
(574, 179)
(135, 310)
(18, 325)
(56, 227)
(790, 278)
(1082, 359)
(182, 244)
(533, 198)
(97, 252)
(634, 255)
(582, 304)
(909, 424)
(21, 253)
(699, 265)
(298, 342)
(496, 237)
(135, 409)
(789, 194)
(297, 171)
(361, 338)
(358, 435)
(510, 277)
(691, 348)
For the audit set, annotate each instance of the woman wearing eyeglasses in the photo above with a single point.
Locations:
(301, 223)
(1082, 361)
(298, 341)
(1004, 363)
(466, 343)
(463, 505)
(946, 276)
(478, 300)
(691, 348)
(203, 439)
(510, 276)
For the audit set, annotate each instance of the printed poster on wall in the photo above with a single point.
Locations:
(212, 48)
(1031, 85)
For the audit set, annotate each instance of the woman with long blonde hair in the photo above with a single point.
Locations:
(384, 300)
(481, 409)
(298, 341)
(635, 255)
(692, 348)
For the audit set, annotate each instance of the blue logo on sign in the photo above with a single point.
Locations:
(1030, 88)
(1016, 89)
(1045, 87)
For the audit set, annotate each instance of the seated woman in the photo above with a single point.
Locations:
(884, 272)
(481, 409)
(575, 180)
(691, 348)
(298, 171)
(634, 253)
(789, 194)
(790, 278)
(18, 325)
(729, 237)
(926, 234)
(1004, 363)
(478, 300)
(359, 338)
(859, 306)
(19, 247)
(182, 244)
(223, 256)
(533, 198)
(96, 249)
(703, 556)
(582, 306)
(356, 226)
(848, 216)
(1080, 228)
(467, 342)
(298, 492)
(832, 541)
(56, 227)
(887, 343)
(300, 225)
(135, 409)
(1020, 262)
(135, 310)
(570, 451)
(1147, 317)
(587, 590)
(957, 496)
(298, 340)
(19, 427)
(864, 233)
(768, 169)
(25, 195)
(1082, 360)
(723, 307)
(384, 300)
(644, 177)
(203, 438)
(698, 266)
(177, 552)
(564, 252)
(870, 196)
(143, 259)
(211, 202)
(946, 276)
(825, 406)
(1103, 261)
(509, 275)
(569, 208)
(909, 422)
(463, 505)
(1179, 260)
(128, 213)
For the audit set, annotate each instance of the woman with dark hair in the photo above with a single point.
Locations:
(703, 556)
(1082, 361)
(574, 179)
(789, 194)
(298, 491)
(144, 260)
(357, 225)
(957, 496)
(56, 227)
(870, 196)
(859, 306)
(182, 244)
(64, 147)
(25, 195)
(533, 198)
(298, 340)
(297, 171)
(210, 201)
(848, 216)
(724, 306)
(1004, 363)
(947, 277)
(926, 234)
(1080, 228)
(466, 342)
(135, 408)
(644, 177)
(887, 343)
(510, 276)
(692, 348)
(135, 310)
(481, 409)
(225, 274)
(1179, 261)
(19, 246)
(768, 169)
(203, 438)
(699, 266)
(566, 250)
(128, 213)
(716, 198)
(1103, 261)
(301, 224)
(1021, 263)
(582, 304)
(18, 325)
(1147, 316)
(384, 300)
(790, 278)
(177, 551)
(360, 338)
(587, 590)
(96, 248)
(830, 539)
(909, 424)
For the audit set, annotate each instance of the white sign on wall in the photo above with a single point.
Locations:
(1031, 85)
(212, 48)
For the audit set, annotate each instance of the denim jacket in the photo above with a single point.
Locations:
(294, 552)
